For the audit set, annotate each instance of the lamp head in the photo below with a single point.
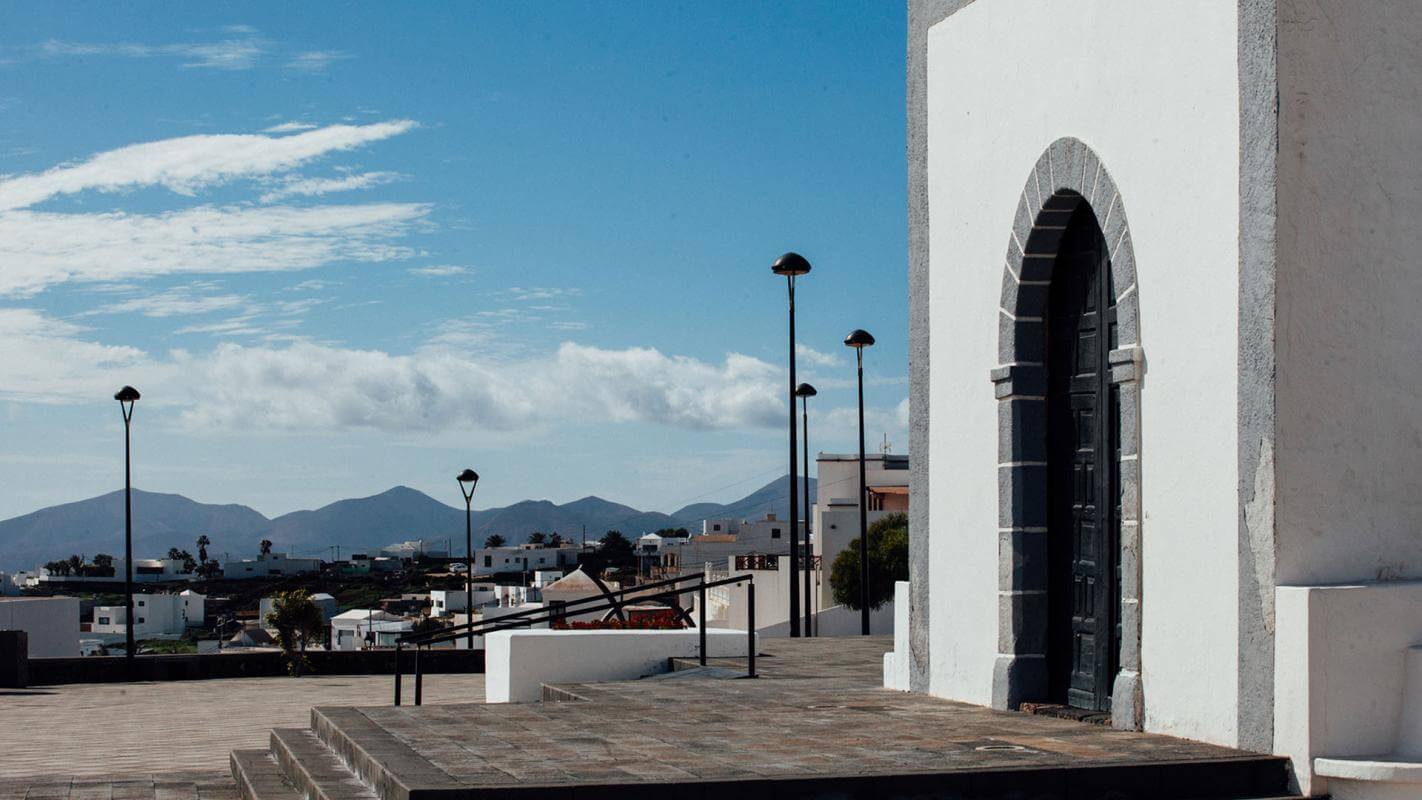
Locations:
(805, 390)
(790, 265)
(126, 395)
(859, 339)
(468, 476)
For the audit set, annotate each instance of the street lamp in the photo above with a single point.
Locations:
(791, 265)
(126, 398)
(860, 339)
(468, 478)
(805, 391)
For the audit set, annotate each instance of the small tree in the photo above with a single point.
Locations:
(266, 546)
(189, 563)
(555, 540)
(202, 543)
(76, 565)
(104, 565)
(494, 540)
(537, 537)
(888, 562)
(297, 620)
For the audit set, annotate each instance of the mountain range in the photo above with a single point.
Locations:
(161, 521)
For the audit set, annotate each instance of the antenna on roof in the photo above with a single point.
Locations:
(885, 448)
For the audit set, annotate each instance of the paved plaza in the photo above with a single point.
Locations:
(168, 739)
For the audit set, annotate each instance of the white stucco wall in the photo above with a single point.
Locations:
(1152, 88)
(518, 663)
(51, 624)
(1349, 446)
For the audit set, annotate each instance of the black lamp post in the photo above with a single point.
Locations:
(805, 391)
(791, 265)
(469, 478)
(860, 339)
(126, 398)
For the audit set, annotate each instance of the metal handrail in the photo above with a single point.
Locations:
(541, 615)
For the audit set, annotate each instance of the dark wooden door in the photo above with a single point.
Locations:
(1082, 595)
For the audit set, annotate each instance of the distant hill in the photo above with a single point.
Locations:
(162, 521)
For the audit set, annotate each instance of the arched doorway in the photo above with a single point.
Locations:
(1068, 390)
(1083, 588)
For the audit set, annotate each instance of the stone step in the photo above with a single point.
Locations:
(259, 777)
(390, 767)
(314, 769)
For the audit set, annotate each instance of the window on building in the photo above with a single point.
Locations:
(715, 527)
(103, 620)
(142, 603)
(488, 561)
(775, 533)
(141, 620)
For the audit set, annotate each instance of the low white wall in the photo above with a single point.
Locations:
(52, 624)
(896, 662)
(1340, 670)
(518, 663)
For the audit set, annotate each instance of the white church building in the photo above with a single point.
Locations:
(1166, 371)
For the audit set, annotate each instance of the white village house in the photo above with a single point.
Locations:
(1165, 410)
(154, 616)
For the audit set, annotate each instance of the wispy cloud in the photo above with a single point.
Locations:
(314, 187)
(229, 54)
(192, 300)
(290, 127)
(315, 60)
(189, 163)
(43, 249)
(439, 271)
(544, 293)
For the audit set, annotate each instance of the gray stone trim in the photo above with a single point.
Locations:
(1068, 174)
(922, 15)
(1258, 221)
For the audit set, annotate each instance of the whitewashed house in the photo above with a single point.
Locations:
(360, 628)
(523, 558)
(154, 616)
(269, 565)
(324, 602)
(1165, 412)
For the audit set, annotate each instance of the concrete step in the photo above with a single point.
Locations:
(314, 769)
(259, 777)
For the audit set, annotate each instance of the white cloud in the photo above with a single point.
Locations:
(841, 424)
(189, 163)
(810, 355)
(47, 360)
(230, 54)
(314, 187)
(42, 249)
(439, 271)
(315, 60)
(316, 387)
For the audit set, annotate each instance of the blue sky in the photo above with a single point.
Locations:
(344, 248)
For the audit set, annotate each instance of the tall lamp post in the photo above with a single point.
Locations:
(860, 339)
(126, 398)
(790, 265)
(468, 478)
(805, 391)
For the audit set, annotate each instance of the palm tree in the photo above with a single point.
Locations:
(537, 537)
(555, 540)
(494, 540)
(202, 543)
(266, 545)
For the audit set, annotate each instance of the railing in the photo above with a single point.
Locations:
(761, 561)
(607, 601)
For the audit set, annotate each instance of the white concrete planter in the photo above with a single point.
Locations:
(518, 663)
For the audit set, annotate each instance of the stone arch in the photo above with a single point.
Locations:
(1067, 174)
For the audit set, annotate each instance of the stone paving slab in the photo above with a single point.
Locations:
(72, 740)
(817, 712)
